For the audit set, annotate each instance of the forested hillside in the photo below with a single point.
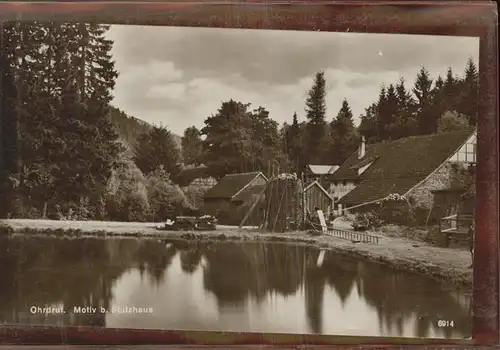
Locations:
(130, 128)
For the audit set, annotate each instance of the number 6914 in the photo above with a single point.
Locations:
(445, 323)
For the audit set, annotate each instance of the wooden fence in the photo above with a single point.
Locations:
(455, 227)
(348, 235)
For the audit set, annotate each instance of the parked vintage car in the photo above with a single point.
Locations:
(187, 223)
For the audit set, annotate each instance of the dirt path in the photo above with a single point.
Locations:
(445, 264)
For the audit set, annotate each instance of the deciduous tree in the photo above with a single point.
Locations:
(191, 146)
(157, 148)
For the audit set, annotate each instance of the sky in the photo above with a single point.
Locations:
(179, 76)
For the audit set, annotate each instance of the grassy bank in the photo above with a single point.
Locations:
(443, 264)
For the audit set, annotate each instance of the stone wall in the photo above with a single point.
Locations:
(440, 179)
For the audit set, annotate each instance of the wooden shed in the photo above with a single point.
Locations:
(315, 195)
(450, 201)
(231, 198)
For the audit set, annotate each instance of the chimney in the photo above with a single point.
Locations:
(362, 148)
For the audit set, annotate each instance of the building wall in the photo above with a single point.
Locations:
(445, 204)
(231, 213)
(338, 189)
(467, 153)
(316, 197)
(204, 182)
(442, 178)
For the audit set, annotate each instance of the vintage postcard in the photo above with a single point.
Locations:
(241, 180)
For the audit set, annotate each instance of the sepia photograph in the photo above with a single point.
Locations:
(237, 180)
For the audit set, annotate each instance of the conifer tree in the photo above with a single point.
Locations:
(293, 143)
(9, 126)
(426, 118)
(316, 114)
(344, 135)
(451, 91)
(469, 99)
(381, 112)
(390, 122)
(368, 126)
(406, 123)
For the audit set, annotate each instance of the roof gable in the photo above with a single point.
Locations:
(316, 183)
(247, 193)
(231, 184)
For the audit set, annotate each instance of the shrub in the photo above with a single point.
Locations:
(165, 197)
(421, 215)
(126, 194)
(194, 194)
(452, 121)
(367, 221)
(395, 209)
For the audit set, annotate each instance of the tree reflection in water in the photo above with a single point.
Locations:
(236, 271)
(70, 272)
(154, 258)
(83, 272)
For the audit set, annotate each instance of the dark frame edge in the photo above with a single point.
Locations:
(478, 19)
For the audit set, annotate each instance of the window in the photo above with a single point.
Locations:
(466, 154)
(471, 153)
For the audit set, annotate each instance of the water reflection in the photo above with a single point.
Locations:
(220, 286)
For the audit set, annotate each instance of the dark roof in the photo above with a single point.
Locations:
(248, 193)
(398, 165)
(186, 176)
(230, 185)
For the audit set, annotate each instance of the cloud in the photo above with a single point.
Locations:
(179, 76)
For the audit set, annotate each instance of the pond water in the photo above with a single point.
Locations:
(252, 287)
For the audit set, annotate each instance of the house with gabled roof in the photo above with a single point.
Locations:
(232, 195)
(413, 167)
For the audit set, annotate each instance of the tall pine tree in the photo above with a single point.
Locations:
(54, 61)
(426, 118)
(381, 112)
(344, 135)
(390, 122)
(316, 114)
(368, 127)
(406, 123)
(469, 99)
(9, 126)
(451, 91)
(294, 144)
